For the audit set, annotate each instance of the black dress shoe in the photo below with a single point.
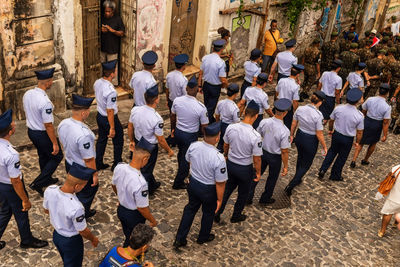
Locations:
(353, 164)
(91, 213)
(37, 189)
(396, 130)
(210, 238)
(288, 191)
(153, 189)
(321, 174)
(178, 187)
(178, 244)
(217, 218)
(364, 162)
(268, 201)
(2, 244)
(336, 179)
(102, 166)
(35, 243)
(239, 218)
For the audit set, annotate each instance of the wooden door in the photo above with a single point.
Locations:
(128, 42)
(183, 29)
(91, 44)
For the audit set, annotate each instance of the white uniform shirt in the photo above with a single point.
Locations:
(348, 119)
(190, 113)
(228, 111)
(251, 70)
(276, 135)
(309, 119)
(330, 82)
(213, 67)
(10, 166)
(106, 96)
(285, 61)
(77, 141)
(207, 164)
(38, 109)
(258, 95)
(377, 108)
(288, 88)
(244, 143)
(67, 214)
(140, 82)
(132, 189)
(355, 80)
(147, 123)
(176, 83)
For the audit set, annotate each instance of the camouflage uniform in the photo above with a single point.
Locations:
(350, 61)
(375, 66)
(394, 69)
(312, 56)
(365, 54)
(329, 51)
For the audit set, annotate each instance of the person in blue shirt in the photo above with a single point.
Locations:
(133, 255)
(353, 31)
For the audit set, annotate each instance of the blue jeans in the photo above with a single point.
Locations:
(266, 63)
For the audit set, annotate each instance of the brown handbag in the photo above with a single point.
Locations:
(386, 185)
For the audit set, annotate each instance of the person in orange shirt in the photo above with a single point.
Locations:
(271, 39)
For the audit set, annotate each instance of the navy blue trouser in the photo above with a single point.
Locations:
(118, 140)
(129, 219)
(211, 95)
(340, 147)
(256, 123)
(307, 146)
(70, 248)
(280, 76)
(274, 161)
(327, 107)
(220, 145)
(11, 204)
(239, 176)
(199, 195)
(48, 163)
(245, 84)
(183, 140)
(287, 120)
(87, 194)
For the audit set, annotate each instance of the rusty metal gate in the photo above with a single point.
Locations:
(183, 29)
(91, 44)
(128, 42)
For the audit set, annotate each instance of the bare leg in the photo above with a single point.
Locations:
(357, 152)
(370, 150)
(385, 222)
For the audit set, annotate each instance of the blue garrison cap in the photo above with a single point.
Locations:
(291, 43)
(45, 74)
(385, 86)
(152, 91)
(5, 119)
(81, 172)
(255, 53)
(219, 43)
(233, 87)
(263, 76)
(362, 65)
(338, 62)
(354, 95)
(82, 101)
(282, 104)
(321, 95)
(144, 144)
(110, 65)
(181, 59)
(213, 129)
(253, 105)
(149, 58)
(298, 67)
(192, 82)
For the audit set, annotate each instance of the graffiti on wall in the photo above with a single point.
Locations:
(150, 26)
(240, 39)
(338, 16)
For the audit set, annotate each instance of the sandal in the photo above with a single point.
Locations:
(381, 234)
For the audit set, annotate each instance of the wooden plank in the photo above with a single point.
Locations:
(33, 30)
(261, 30)
(235, 9)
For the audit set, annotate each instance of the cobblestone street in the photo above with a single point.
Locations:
(327, 224)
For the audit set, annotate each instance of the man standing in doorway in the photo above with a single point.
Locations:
(112, 29)
(271, 41)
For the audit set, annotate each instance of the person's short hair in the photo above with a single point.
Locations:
(315, 99)
(217, 49)
(273, 21)
(383, 91)
(141, 235)
(110, 4)
(150, 99)
(353, 25)
(230, 93)
(77, 107)
(260, 81)
(223, 32)
(294, 72)
(107, 73)
(179, 65)
(351, 102)
(4, 132)
(148, 67)
(249, 112)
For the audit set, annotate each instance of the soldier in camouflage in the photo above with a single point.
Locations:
(350, 61)
(362, 42)
(393, 66)
(329, 52)
(365, 52)
(312, 71)
(345, 44)
(383, 44)
(397, 46)
(376, 74)
(395, 123)
(390, 55)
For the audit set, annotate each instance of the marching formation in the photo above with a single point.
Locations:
(222, 144)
